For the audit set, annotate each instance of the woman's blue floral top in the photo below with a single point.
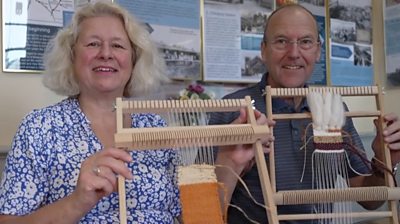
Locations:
(44, 162)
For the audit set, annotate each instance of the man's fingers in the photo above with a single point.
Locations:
(390, 117)
(242, 118)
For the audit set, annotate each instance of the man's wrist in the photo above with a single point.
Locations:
(378, 167)
(395, 168)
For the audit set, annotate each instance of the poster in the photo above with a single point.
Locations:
(233, 32)
(392, 43)
(175, 27)
(351, 43)
(27, 28)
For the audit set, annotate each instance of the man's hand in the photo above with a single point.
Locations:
(240, 157)
(391, 137)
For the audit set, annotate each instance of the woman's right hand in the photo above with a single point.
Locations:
(98, 176)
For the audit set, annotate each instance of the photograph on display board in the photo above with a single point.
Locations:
(362, 54)
(343, 32)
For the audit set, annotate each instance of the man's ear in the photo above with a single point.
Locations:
(263, 47)
(318, 54)
(318, 59)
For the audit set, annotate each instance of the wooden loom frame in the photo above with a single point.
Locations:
(171, 137)
(386, 193)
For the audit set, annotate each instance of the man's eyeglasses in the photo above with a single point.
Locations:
(284, 43)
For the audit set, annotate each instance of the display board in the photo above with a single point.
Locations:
(214, 41)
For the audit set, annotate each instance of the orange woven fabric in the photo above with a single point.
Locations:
(201, 204)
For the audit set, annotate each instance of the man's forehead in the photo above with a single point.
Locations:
(292, 15)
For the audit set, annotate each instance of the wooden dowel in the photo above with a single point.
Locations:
(122, 200)
(367, 214)
(308, 115)
(310, 196)
(167, 137)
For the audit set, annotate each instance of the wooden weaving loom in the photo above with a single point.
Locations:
(190, 136)
(388, 193)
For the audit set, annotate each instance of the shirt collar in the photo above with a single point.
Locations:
(279, 105)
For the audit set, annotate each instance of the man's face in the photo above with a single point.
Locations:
(292, 65)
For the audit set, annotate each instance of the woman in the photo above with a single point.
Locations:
(62, 167)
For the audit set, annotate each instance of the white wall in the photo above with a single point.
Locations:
(19, 94)
(391, 100)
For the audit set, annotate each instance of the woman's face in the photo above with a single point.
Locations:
(103, 56)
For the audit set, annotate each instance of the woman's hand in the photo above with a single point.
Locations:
(98, 176)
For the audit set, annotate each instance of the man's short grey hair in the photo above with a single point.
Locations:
(291, 5)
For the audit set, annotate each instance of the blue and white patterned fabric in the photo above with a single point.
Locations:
(44, 163)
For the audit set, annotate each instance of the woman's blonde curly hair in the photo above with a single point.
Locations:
(149, 67)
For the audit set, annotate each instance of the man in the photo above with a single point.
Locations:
(290, 49)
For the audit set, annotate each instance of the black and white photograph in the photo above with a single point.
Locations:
(343, 31)
(252, 66)
(268, 4)
(253, 16)
(253, 22)
(362, 55)
(357, 11)
(181, 62)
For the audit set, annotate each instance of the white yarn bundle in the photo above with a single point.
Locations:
(315, 102)
(327, 111)
(338, 119)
